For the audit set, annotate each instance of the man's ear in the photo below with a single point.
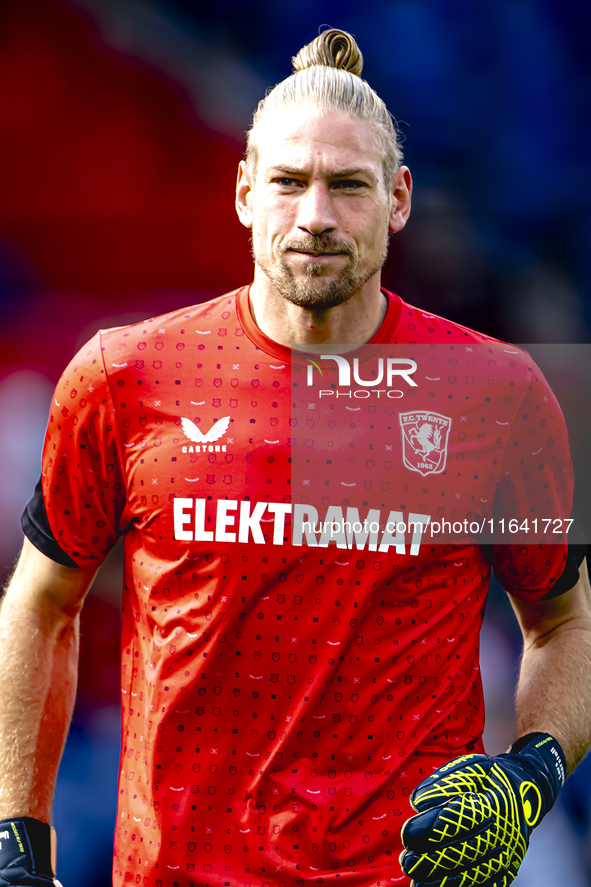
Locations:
(244, 186)
(401, 192)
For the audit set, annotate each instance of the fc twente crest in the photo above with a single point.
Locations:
(424, 441)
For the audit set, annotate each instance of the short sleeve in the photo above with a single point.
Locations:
(82, 484)
(534, 497)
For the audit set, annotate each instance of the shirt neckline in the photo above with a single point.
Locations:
(382, 336)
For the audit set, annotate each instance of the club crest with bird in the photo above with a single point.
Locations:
(424, 441)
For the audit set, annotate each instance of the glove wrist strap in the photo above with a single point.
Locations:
(25, 852)
(546, 754)
(525, 740)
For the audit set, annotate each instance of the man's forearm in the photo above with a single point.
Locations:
(38, 667)
(554, 693)
(554, 689)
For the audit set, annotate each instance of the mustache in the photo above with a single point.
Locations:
(320, 244)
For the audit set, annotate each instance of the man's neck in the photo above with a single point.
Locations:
(352, 323)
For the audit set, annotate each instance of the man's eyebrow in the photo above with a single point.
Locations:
(289, 170)
(333, 174)
(354, 171)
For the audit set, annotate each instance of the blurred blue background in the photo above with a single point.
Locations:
(121, 124)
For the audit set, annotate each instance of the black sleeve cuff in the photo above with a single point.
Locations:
(570, 575)
(37, 530)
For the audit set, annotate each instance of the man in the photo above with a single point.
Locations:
(296, 663)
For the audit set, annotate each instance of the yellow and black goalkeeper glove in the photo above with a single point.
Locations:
(476, 815)
(25, 853)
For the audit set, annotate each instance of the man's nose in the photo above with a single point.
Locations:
(316, 212)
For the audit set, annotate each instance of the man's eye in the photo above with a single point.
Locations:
(349, 184)
(287, 182)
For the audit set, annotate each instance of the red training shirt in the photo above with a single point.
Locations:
(290, 672)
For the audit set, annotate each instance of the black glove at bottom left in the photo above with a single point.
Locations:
(25, 853)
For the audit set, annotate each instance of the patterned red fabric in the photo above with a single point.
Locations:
(284, 691)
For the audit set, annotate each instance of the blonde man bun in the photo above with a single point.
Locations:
(333, 49)
(326, 77)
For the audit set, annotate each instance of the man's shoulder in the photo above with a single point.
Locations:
(483, 357)
(416, 325)
(213, 317)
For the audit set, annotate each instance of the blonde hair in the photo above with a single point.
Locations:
(326, 76)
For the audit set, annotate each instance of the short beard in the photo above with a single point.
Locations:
(310, 293)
